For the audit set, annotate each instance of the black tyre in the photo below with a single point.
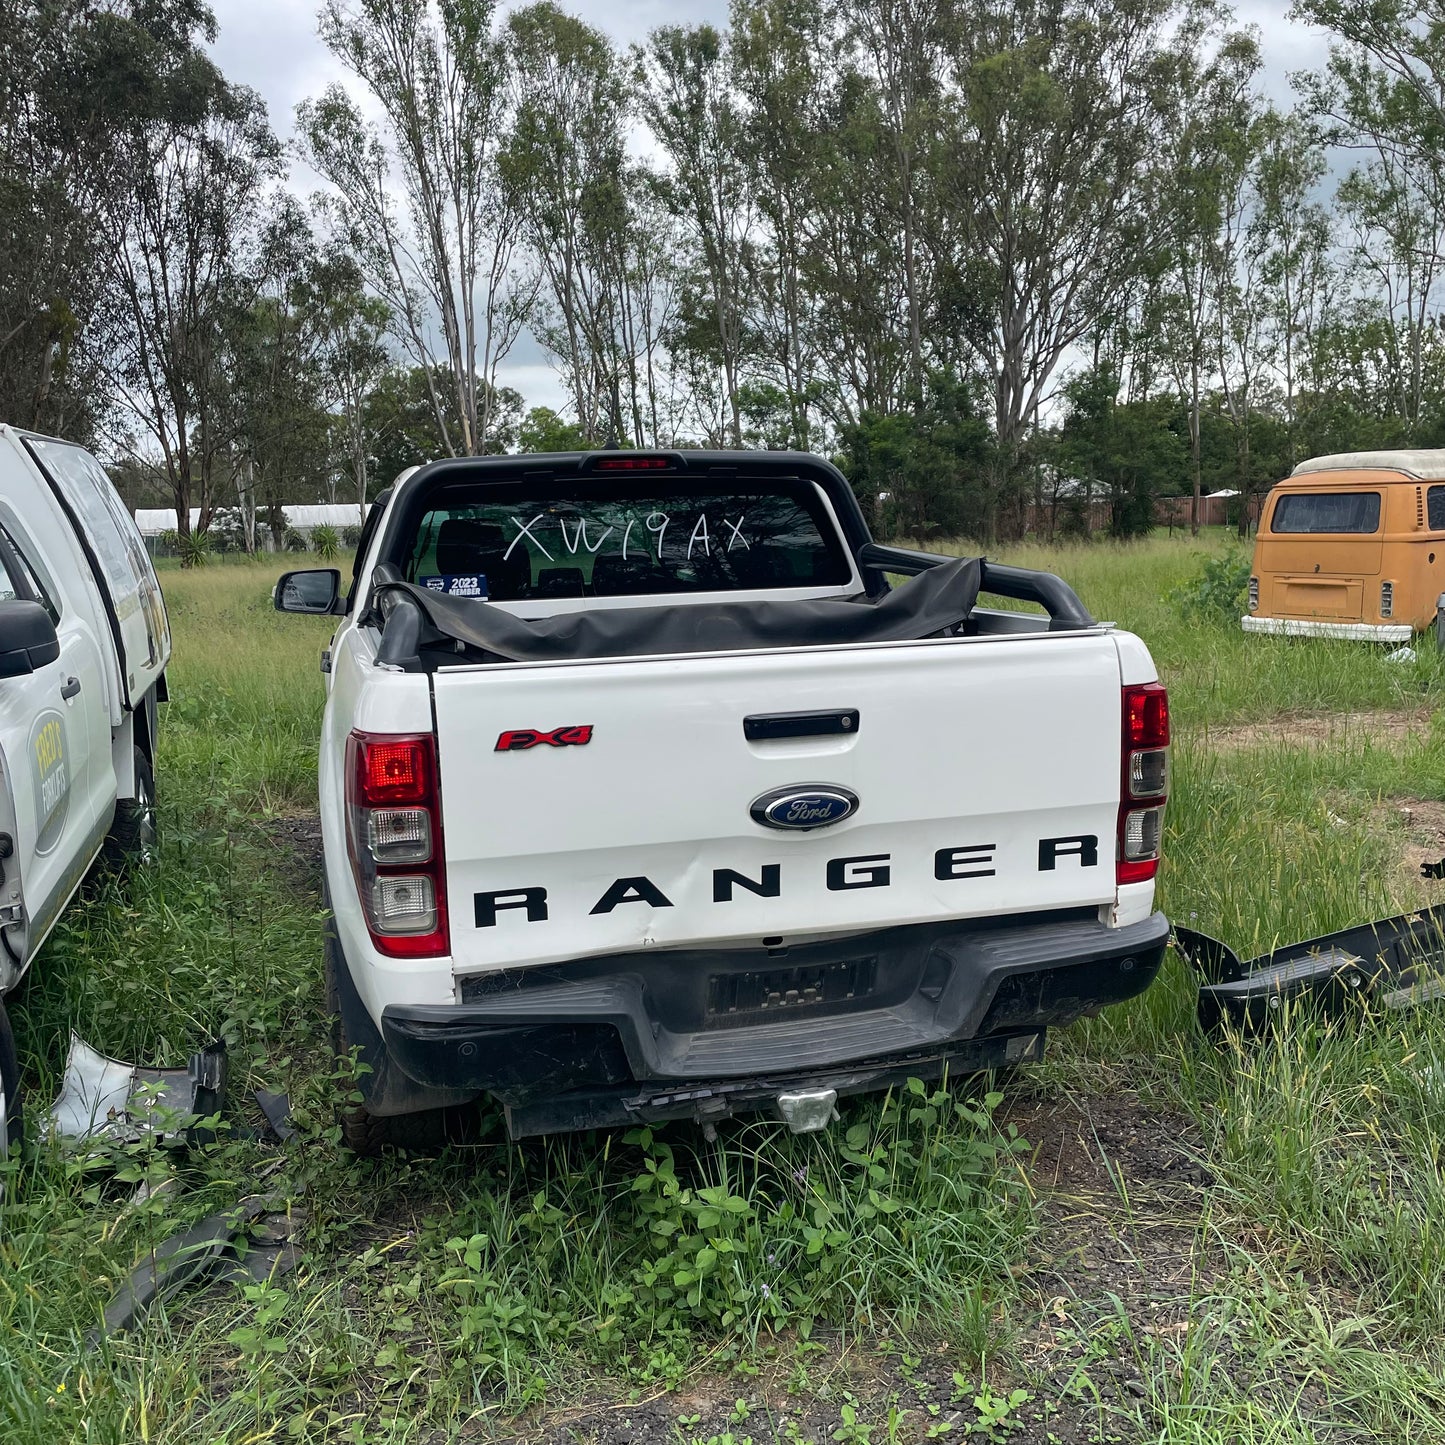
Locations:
(12, 1118)
(367, 1134)
(133, 838)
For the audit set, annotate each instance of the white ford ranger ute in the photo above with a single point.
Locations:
(646, 796)
(84, 644)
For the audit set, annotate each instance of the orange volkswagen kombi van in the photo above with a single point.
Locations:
(1352, 546)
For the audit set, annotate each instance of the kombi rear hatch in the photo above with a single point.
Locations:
(1318, 555)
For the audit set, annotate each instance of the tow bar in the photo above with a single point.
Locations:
(1395, 963)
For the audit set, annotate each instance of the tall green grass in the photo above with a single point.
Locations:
(1216, 673)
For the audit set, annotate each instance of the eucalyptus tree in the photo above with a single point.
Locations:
(1382, 96)
(689, 103)
(1295, 233)
(80, 81)
(1047, 159)
(278, 427)
(850, 259)
(1202, 165)
(178, 239)
(781, 58)
(567, 157)
(1245, 344)
(352, 328)
(902, 46)
(651, 278)
(582, 198)
(421, 199)
(1396, 219)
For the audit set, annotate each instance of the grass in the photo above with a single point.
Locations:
(894, 1277)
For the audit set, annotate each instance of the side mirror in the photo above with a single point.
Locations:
(315, 590)
(27, 638)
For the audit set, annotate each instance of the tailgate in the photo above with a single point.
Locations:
(1316, 577)
(1309, 597)
(986, 775)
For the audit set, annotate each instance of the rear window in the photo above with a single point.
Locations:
(1327, 512)
(1435, 500)
(624, 539)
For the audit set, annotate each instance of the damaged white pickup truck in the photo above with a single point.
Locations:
(646, 796)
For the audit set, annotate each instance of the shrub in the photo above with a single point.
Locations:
(1217, 592)
(195, 549)
(324, 542)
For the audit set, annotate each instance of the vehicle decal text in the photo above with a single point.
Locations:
(517, 740)
(869, 870)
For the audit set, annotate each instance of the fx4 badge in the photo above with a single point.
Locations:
(518, 740)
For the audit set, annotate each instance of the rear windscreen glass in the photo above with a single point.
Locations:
(624, 539)
(1327, 512)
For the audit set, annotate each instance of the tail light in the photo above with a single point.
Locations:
(394, 835)
(1387, 599)
(1144, 782)
(1254, 594)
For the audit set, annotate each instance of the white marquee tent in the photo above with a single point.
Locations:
(157, 521)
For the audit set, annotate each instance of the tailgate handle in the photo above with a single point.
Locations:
(763, 727)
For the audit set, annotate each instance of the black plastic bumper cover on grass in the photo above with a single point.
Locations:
(1395, 962)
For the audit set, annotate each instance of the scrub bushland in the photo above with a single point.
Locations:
(879, 1280)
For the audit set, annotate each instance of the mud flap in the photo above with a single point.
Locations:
(1395, 963)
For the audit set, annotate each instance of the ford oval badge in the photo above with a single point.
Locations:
(804, 805)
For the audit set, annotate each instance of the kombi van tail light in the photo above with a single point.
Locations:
(1387, 599)
(1254, 594)
(1144, 782)
(394, 836)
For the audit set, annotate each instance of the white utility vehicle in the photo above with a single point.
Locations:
(645, 795)
(84, 644)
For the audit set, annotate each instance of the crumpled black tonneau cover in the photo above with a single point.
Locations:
(941, 598)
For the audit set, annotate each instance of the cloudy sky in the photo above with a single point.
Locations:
(272, 46)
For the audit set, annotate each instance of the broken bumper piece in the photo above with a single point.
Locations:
(100, 1096)
(1395, 963)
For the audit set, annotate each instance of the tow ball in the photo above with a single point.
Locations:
(1395, 963)
(807, 1111)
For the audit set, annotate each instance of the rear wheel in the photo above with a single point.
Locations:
(12, 1122)
(368, 1134)
(134, 838)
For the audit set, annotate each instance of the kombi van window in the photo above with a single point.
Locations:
(1327, 512)
(1435, 509)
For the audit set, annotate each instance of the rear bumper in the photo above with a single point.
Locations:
(703, 1034)
(1350, 631)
